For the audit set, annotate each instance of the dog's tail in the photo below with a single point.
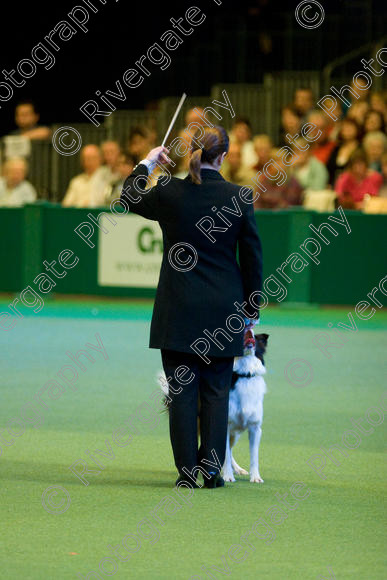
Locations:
(163, 383)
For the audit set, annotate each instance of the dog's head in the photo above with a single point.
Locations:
(254, 344)
(248, 342)
(260, 346)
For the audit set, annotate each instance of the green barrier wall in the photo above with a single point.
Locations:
(350, 265)
(12, 246)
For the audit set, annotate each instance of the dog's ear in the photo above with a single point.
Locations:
(262, 338)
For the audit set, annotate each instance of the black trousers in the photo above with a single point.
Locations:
(206, 395)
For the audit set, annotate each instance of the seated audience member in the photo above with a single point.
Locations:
(15, 190)
(348, 140)
(374, 145)
(263, 146)
(310, 173)
(111, 154)
(383, 189)
(378, 103)
(124, 167)
(358, 112)
(233, 169)
(241, 134)
(139, 143)
(290, 123)
(272, 195)
(357, 181)
(374, 121)
(360, 94)
(88, 188)
(195, 115)
(26, 119)
(322, 146)
(337, 114)
(303, 102)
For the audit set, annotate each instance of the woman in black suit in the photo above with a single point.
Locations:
(205, 220)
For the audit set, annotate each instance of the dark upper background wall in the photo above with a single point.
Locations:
(227, 47)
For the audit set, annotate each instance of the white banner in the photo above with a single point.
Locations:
(130, 254)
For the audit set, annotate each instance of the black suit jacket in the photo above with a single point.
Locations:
(188, 302)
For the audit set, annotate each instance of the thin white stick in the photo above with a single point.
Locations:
(174, 118)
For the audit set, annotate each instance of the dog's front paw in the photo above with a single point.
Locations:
(228, 477)
(256, 478)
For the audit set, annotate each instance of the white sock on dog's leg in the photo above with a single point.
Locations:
(255, 433)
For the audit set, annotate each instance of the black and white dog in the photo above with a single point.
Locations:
(246, 405)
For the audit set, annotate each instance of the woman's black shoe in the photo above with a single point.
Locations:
(216, 480)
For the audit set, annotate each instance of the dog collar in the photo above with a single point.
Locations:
(245, 375)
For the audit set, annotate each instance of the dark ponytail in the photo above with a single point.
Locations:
(207, 144)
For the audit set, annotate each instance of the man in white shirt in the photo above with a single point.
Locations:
(15, 191)
(88, 188)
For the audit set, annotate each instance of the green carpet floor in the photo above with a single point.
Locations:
(336, 531)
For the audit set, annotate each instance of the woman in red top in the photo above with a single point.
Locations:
(354, 184)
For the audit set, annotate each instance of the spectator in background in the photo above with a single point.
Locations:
(378, 103)
(15, 190)
(374, 145)
(194, 115)
(111, 154)
(290, 123)
(182, 166)
(139, 143)
(273, 196)
(383, 189)
(357, 181)
(26, 119)
(233, 170)
(359, 89)
(263, 146)
(124, 167)
(310, 173)
(322, 146)
(88, 189)
(334, 127)
(241, 134)
(348, 140)
(373, 121)
(358, 112)
(303, 102)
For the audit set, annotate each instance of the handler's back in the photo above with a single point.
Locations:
(200, 279)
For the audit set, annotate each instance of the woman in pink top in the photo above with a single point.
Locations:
(357, 181)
